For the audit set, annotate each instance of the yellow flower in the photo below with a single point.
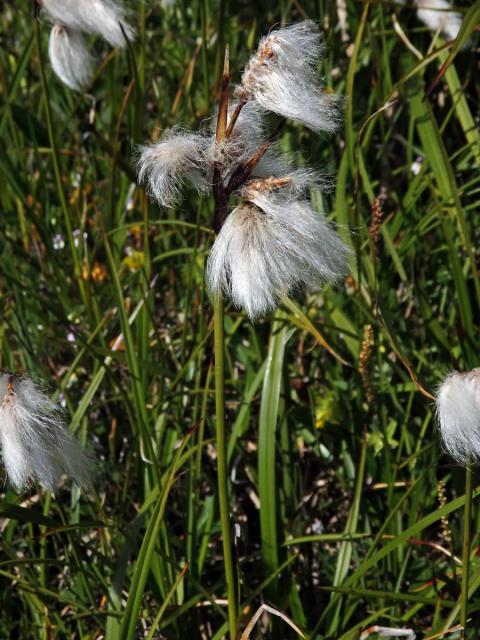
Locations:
(134, 261)
(324, 411)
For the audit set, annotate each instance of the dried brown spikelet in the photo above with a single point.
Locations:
(364, 362)
(442, 500)
(377, 219)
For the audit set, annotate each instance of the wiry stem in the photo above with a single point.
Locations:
(222, 476)
(56, 168)
(221, 210)
(467, 516)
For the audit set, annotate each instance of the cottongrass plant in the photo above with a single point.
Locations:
(72, 20)
(272, 242)
(458, 412)
(36, 447)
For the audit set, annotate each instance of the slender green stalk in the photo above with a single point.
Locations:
(467, 517)
(222, 480)
(56, 168)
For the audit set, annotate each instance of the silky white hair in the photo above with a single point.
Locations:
(436, 15)
(35, 444)
(102, 17)
(269, 247)
(69, 56)
(458, 413)
(282, 77)
(178, 156)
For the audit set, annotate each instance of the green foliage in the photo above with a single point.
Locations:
(103, 297)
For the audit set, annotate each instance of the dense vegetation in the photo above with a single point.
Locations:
(330, 418)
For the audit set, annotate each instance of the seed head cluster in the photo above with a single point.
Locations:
(272, 242)
(72, 20)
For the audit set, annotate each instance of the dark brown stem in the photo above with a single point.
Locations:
(244, 170)
(221, 200)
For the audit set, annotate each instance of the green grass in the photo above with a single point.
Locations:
(351, 521)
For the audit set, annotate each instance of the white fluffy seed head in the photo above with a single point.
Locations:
(177, 157)
(458, 413)
(102, 17)
(437, 16)
(270, 246)
(282, 77)
(35, 444)
(69, 57)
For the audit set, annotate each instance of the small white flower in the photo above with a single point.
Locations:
(58, 242)
(69, 57)
(416, 166)
(282, 77)
(458, 412)
(436, 15)
(271, 246)
(178, 156)
(102, 17)
(35, 444)
(77, 237)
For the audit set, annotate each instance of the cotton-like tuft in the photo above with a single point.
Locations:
(271, 246)
(458, 412)
(69, 57)
(177, 157)
(282, 77)
(102, 17)
(437, 16)
(36, 447)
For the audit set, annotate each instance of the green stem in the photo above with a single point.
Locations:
(467, 517)
(56, 169)
(222, 480)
